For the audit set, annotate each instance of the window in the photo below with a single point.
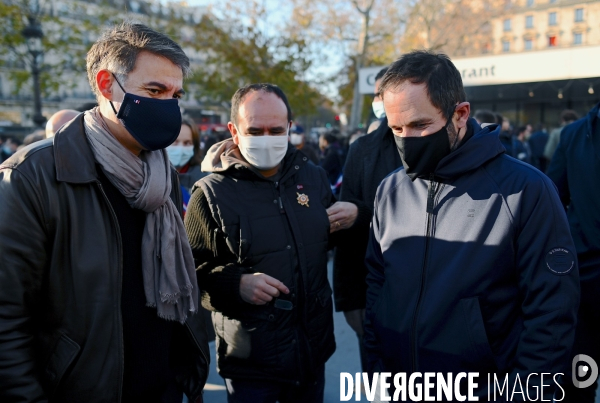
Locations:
(505, 46)
(552, 41)
(529, 21)
(579, 15)
(528, 44)
(577, 38)
(552, 1)
(507, 24)
(529, 3)
(552, 18)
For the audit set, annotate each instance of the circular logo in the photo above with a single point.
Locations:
(560, 261)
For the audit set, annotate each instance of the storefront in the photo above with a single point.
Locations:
(535, 86)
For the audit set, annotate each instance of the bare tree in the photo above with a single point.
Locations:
(364, 31)
(456, 27)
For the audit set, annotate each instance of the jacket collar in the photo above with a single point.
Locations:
(74, 160)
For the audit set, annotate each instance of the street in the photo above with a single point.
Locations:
(345, 359)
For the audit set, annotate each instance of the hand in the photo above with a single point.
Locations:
(342, 215)
(259, 289)
(356, 319)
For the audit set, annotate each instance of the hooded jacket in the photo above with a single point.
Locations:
(61, 269)
(471, 270)
(239, 222)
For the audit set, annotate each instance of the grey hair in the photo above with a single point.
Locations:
(118, 47)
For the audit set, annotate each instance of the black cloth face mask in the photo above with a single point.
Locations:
(421, 155)
(154, 123)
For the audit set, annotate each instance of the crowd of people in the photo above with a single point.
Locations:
(128, 241)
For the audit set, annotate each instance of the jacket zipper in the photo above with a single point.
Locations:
(120, 319)
(432, 189)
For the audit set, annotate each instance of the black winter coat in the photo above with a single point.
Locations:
(370, 159)
(239, 222)
(60, 280)
(575, 169)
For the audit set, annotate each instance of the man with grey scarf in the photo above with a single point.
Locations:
(98, 289)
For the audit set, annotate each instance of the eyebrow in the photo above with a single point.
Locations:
(258, 129)
(163, 87)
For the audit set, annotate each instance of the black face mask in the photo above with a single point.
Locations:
(421, 155)
(154, 123)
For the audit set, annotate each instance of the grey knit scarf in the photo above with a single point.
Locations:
(145, 181)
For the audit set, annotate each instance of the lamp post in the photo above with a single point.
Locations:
(33, 35)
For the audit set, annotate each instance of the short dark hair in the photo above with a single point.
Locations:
(442, 80)
(241, 93)
(381, 73)
(484, 116)
(499, 118)
(330, 138)
(521, 129)
(118, 47)
(569, 115)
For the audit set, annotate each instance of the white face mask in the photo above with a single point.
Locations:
(378, 109)
(263, 152)
(180, 155)
(296, 139)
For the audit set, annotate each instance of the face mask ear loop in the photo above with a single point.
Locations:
(449, 123)
(122, 89)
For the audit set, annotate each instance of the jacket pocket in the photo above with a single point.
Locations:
(476, 329)
(61, 359)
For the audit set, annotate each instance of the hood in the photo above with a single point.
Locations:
(226, 156)
(483, 146)
(223, 156)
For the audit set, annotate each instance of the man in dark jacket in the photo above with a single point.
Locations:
(537, 145)
(370, 159)
(98, 286)
(259, 229)
(471, 266)
(575, 169)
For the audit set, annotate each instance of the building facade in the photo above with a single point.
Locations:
(539, 58)
(16, 107)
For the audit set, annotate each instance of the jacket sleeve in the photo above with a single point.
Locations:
(557, 171)
(218, 274)
(375, 281)
(349, 271)
(22, 262)
(548, 280)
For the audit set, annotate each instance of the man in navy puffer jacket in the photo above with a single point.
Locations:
(471, 265)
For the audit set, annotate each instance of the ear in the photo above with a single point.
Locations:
(104, 82)
(233, 131)
(461, 114)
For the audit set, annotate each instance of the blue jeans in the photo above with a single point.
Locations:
(253, 391)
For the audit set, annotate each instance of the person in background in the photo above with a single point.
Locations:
(484, 117)
(186, 157)
(521, 146)
(9, 147)
(507, 138)
(575, 169)
(537, 143)
(370, 159)
(298, 140)
(331, 159)
(36, 136)
(57, 120)
(567, 117)
(260, 234)
(377, 104)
